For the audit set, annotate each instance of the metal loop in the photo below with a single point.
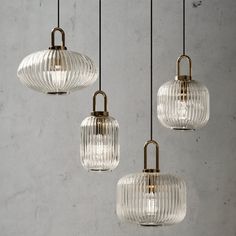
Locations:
(178, 64)
(157, 155)
(53, 38)
(94, 100)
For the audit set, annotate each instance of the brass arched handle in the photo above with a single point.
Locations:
(178, 65)
(53, 46)
(157, 156)
(94, 100)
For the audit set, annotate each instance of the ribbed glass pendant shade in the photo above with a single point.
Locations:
(99, 147)
(183, 103)
(151, 198)
(56, 70)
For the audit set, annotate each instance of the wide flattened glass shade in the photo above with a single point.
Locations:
(99, 144)
(183, 105)
(57, 71)
(151, 199)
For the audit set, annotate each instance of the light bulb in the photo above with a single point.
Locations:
(57, 76)
(150, 204)
(182, 110)
(99, 148)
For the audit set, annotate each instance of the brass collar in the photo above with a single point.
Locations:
(151, 171)
(183, 77)
(58, 47)
(100, 113)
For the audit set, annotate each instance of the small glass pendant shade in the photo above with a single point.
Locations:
(99, 147)
(151, 198)
(183, 103)
(56, 70)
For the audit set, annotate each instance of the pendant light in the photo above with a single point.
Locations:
(150, 198)
(99, 145)
(57, 70)
(183, 103)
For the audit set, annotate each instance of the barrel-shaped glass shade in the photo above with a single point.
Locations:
(99, 144)
(151, 199)
(183, 105)
(57, 71)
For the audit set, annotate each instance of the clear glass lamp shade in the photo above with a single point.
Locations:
(57, 71)
(99, 145)
(151, 199)
(183, 105)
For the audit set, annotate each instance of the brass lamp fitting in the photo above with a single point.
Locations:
(183, 78)
(100, 113)
(58, 47)
(145, 157)
(151, 179)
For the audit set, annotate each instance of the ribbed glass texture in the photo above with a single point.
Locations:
(57, 71)
(99, 147)
(151, 199)
(183, 105)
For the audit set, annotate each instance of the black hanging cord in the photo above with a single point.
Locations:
(58, 13)
(100, 44)
(151, 70)
(184, 27)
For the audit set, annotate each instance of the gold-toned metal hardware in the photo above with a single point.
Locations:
(183, 91)
(58, 47)
(145, 157)
(183, 77)
(99, 113)
(151, 183)
(100, 125)
(57, 93)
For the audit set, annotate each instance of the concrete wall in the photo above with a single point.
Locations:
(44, 191)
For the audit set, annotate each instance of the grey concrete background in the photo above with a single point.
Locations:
(44, 191)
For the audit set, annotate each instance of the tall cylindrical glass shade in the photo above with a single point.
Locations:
(99, 148)
(99, 144)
